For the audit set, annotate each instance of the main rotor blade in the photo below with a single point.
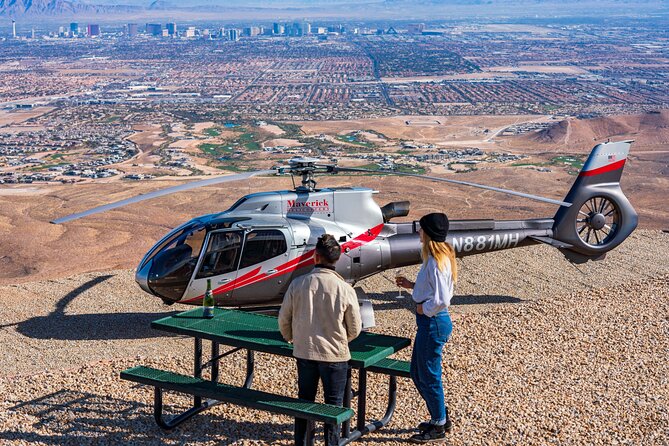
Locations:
(160, 193)
(464, 183)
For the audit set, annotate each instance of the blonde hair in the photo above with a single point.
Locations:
(442, 252)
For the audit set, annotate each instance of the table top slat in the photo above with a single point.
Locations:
(260, 332)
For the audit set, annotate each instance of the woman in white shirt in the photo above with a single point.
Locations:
(432, 292)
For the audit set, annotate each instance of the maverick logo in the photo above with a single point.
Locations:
(308, 207)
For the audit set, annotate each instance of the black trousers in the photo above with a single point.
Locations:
(333, 375)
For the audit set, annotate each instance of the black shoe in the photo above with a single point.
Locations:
(448, 427)
(433, 433)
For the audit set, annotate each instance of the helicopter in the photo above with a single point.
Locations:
(253, 250)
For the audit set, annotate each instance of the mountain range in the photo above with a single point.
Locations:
(19, 8)
(56, 8)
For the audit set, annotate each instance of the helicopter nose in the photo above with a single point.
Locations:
(142, 276)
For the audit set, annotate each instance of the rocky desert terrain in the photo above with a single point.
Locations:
(543, 352)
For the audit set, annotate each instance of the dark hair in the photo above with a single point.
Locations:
(328, 248)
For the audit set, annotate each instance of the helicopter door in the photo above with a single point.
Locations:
(259, 279)
(219, 263)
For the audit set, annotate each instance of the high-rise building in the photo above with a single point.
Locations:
(32, 33)
(13, 29)
(415, 28)
(306, 28)
(251, 31)
(94, 31)
(233, 35)
(154, 29)
(171, 29)
(133, 29)
(297, 30)
(278, 29)
(190, 32)
(74, 29)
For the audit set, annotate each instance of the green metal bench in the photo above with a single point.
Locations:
(392, 367)
(217, 392)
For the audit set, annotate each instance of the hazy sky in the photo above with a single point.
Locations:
(407, 10)
(334, 3)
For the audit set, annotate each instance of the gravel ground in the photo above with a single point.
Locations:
(542, 353)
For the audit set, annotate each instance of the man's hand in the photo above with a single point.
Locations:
(419, 309)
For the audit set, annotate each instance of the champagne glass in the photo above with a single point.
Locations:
(399, 275)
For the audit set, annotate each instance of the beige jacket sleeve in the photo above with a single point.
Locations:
(352, 318)
(286, 315)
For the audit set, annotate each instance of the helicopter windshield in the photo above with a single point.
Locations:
(174, 262)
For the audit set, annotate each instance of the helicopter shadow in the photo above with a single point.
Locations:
(390, 301)
(89, 327)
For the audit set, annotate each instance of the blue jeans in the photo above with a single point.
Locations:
(333, 375)
(431, 335)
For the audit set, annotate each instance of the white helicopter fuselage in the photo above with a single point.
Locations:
(273, 235)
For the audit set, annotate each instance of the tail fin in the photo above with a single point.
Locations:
(605, 163)
(600, 216)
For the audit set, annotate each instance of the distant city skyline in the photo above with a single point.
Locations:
(190, 10)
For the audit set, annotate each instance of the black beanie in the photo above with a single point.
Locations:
(435, 226)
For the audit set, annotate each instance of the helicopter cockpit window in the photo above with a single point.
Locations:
(262, 245)
(174, 262)
(222, 254)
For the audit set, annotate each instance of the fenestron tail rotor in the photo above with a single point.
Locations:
(598, 222)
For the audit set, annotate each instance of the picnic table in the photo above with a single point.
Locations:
(260, 333)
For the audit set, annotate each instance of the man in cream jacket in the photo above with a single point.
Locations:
(320, 316)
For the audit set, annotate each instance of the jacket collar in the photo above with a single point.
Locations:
(320, 269)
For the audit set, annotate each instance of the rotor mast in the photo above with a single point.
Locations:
(305, 167)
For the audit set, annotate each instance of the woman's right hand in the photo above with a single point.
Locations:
(403, 282)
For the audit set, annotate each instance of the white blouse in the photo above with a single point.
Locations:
(433, 288)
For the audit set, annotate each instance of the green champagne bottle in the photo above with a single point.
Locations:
(208, 302)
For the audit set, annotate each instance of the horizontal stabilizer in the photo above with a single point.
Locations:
(551, 241)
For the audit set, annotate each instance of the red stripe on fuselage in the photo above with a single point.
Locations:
(363, 238)
(301, 261)
(307, 259)
(261, 278)
(608, 168)
(228, 286)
